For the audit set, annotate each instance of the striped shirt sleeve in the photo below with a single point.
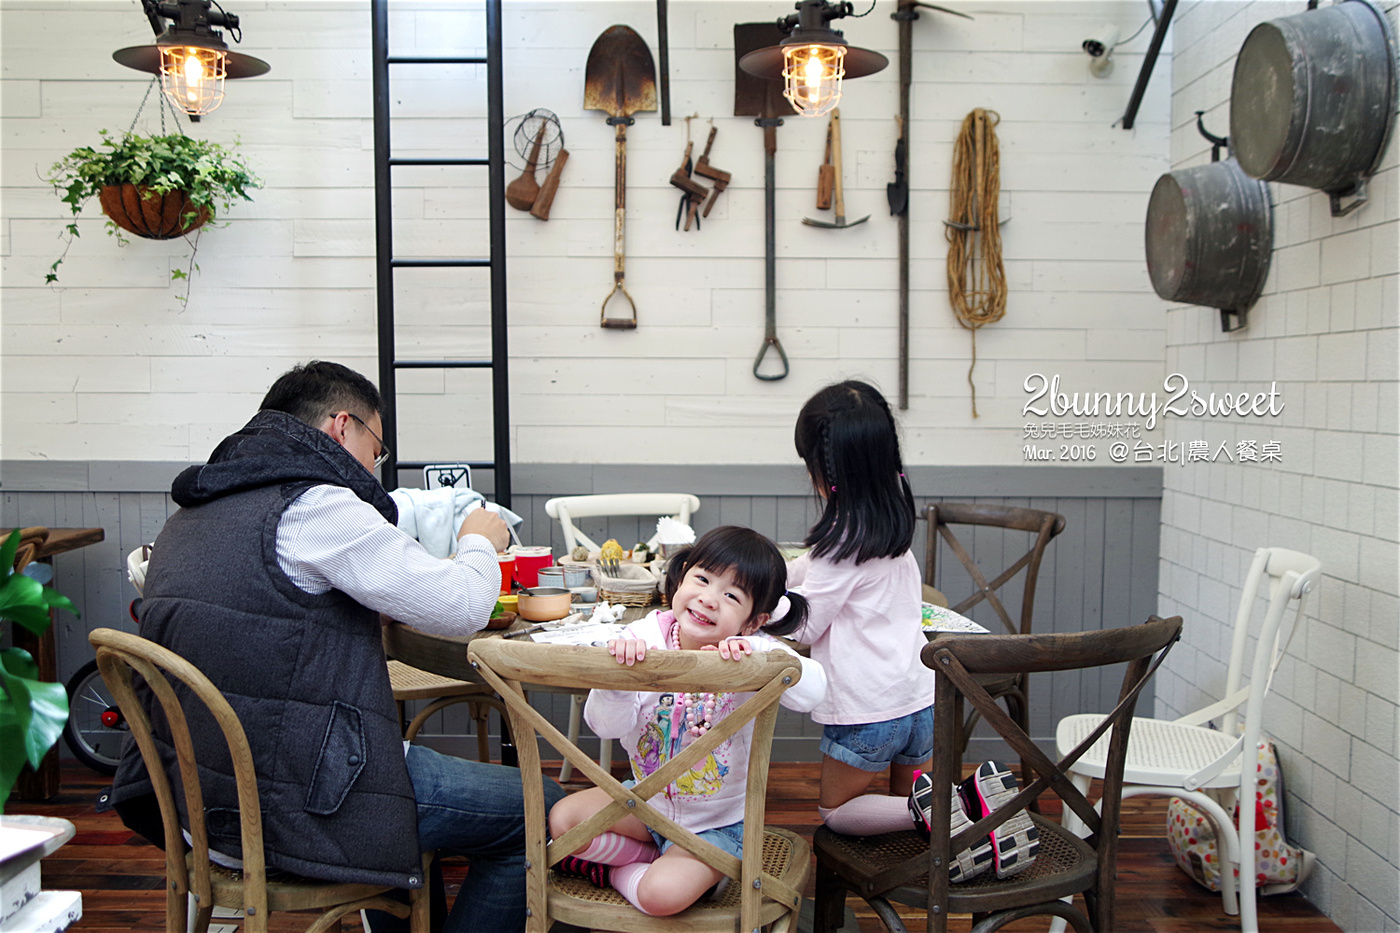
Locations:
(329, 538)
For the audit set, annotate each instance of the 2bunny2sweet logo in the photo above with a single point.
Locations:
(1181, 401)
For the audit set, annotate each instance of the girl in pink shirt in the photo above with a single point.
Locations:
(865, 627)
(864, 592)
(727, 594)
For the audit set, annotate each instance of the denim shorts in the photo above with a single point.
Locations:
(728, 838)
(873, 746)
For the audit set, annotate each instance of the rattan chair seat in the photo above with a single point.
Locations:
(1160, 751)
(577, 900)
(411, 683)
(1061, 868)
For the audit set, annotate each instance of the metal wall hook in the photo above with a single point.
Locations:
(1216, 142)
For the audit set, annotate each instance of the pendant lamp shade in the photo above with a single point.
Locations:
(814, 60)
(190, 55)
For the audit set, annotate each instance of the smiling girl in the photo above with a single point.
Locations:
(727, 594)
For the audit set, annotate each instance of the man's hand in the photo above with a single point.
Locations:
(489, 525)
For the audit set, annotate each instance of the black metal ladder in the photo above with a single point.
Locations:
(386, 263)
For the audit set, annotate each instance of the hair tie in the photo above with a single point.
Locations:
(833, 488)
(781, 609)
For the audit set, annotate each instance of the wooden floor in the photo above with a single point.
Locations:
(121, 876)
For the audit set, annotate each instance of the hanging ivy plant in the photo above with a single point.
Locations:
(157, 187)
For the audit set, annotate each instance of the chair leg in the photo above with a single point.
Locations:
(481, 715)
(575, 717)
(829, 904)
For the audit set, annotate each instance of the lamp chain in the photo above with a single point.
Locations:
(164, 101)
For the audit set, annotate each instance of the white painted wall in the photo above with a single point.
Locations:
(1326, 330)
(110, 366)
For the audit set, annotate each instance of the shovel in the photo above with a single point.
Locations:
(760, 97)
(620, 79)
(835, 132)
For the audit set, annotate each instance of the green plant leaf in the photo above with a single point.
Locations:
(12, 755)
(22, 601)
(9, 549)
(48, 712)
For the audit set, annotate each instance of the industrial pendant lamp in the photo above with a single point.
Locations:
(190, 55)
(814, 58)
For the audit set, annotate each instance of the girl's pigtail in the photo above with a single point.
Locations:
(791, 620)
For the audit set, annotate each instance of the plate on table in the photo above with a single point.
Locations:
(946, 621)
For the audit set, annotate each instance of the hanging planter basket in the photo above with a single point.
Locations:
(149, 214)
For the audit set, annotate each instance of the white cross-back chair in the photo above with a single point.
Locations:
(1213, 768)
(677, 505)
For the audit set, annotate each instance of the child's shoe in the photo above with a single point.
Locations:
(1017, 841)
(966, 864)
(594, 872)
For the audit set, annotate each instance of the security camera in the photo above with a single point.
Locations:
(1102, 41)
(1100, 48)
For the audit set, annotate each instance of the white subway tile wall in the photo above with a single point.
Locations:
(1326, 333)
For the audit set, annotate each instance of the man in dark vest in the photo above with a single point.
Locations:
(271, 579)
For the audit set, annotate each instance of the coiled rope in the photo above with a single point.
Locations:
(976, 275)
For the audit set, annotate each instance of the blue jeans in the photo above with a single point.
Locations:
(872, 746)
(477, 810)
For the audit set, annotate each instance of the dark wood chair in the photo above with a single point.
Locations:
(902, 867)
(1010, 687)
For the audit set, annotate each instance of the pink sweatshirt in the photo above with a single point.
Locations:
(652, 729)
(865, 628)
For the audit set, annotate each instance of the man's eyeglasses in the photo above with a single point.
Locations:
(384, 452)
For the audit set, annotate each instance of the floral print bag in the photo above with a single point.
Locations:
(1279, 866)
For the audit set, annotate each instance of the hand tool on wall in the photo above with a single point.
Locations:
(704, 169)
(897, 191)
(905, 14)
(545, 199)
(521, 193)
(620, 79)
(663, 51)
(835, 133)
(826, 176)
(762, 98)
(695, 193)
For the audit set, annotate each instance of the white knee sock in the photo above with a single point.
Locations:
(626, 879)
(868, 815)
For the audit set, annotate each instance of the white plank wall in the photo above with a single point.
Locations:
(110, 365)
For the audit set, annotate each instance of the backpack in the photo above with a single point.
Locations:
(1279, 867)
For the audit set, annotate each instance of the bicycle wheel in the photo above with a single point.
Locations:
(95, 729)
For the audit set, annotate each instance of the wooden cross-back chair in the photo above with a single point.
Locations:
(188, 869)
(902, 867)
(775, 863)
(1010, 687)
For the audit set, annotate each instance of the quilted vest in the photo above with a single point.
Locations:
(305, 673)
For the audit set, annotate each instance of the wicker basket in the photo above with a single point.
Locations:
(636, 586)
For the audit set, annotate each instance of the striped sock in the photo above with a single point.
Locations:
(617, 849)
(627, 878)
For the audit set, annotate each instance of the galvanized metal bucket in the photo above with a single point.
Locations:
(1313, 99)
(1210, 235)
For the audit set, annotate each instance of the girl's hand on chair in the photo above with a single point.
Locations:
(734, 648)
(628, 650)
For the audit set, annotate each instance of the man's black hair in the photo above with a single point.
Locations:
(319, 388)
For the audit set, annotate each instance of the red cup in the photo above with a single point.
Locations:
(507, 563)
(528, 561)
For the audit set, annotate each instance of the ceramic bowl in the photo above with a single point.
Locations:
(544, 603)
(504, 620)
